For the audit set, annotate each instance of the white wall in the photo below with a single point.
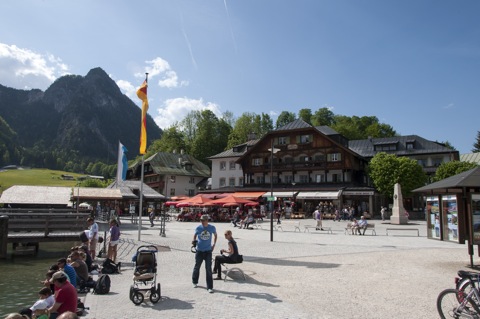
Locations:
(227, 173)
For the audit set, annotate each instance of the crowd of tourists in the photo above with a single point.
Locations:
(70, 276)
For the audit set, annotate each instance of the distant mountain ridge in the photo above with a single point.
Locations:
(86, 116)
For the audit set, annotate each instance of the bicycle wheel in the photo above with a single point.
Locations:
(448, 305)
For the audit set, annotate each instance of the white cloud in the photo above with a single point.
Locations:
(161, 68)
(127, 88)
(449, 106)
(23, 68)
(175, 110)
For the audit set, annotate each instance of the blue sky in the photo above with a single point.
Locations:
(413, 64)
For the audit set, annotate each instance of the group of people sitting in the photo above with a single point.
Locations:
(64, 280)
(245, 221)
(70, 276)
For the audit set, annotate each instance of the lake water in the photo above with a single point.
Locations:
(20, 276)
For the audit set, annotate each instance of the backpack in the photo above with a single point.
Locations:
(109, 267)
(103, 285)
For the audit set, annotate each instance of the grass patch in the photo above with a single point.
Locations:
(35, 177)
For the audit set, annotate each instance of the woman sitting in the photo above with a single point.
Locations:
(231, 255)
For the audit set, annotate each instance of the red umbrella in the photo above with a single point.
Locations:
(231, 201)
(194, 201)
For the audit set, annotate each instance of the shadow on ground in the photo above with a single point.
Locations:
(293, 263)
(249, 295)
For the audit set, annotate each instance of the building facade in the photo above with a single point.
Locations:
(172, 174)
(314, 165)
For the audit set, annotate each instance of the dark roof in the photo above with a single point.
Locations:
(236, 151)
(366, 148)
(176, 164)
(470, 178)
(327, 130)
(297, 124)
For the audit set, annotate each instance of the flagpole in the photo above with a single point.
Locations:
(140, 211)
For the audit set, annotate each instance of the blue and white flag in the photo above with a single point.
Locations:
(122, 163)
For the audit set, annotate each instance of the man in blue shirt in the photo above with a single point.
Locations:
(203, 237)
(69, 270)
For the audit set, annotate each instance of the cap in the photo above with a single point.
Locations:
(204, 217)
(58, 275)
(39, 305)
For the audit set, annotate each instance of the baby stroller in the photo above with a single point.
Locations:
(145, 276)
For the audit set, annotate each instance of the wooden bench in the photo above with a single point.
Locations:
(403, 229)
(307, 228)
(370, 227)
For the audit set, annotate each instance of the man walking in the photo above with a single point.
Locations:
(318, 218)
(203, 239)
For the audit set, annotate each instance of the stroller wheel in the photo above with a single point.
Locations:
(132, 291)
(155, 294)
(137, 298)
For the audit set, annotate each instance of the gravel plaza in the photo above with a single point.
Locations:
(313, 274)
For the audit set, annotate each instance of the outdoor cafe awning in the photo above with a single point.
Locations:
(249, 195)
(319, 195)
(279, 194)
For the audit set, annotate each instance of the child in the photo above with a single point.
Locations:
(46, 301)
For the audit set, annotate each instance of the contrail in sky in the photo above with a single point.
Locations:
(230, 25)
(188, 42)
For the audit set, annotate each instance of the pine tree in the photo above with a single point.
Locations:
(476, 145)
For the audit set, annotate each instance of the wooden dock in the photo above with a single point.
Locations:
(31, 227)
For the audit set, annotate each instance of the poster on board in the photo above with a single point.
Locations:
(450, 217)
(476, 218)
(433, 214)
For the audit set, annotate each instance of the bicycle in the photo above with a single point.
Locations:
(454, 303)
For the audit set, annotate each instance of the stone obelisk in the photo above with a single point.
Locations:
(398, 212)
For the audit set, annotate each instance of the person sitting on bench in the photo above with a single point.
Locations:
(231, 255)
(362, 224)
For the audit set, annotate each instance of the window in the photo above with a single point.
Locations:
(275, 180)
(232, 165)
(191, 192)
(409, 145)
(305, 139)
(260, 180)
(256, 161)
(288, 179)
(173, 179)
(305, 158)
(334, 157)
(223, 166)
(319, 178)
(240, 181)
(282, 140)
(334, 178)
(319, 158)
(437, 161)
(422, 162)
(288, 159)
(192, 180)
(222, 182)
(172, 191)
(231, 181)
(303, 178)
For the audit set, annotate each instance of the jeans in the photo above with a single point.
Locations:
(200, 256)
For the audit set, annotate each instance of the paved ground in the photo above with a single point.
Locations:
(299, 275)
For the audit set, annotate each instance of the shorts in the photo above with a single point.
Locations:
(93, 244)
(113, 243)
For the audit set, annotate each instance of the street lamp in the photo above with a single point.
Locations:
(272, 151)
(293, 198)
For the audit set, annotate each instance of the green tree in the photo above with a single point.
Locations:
(323, 116)
(249, 123)
(284, 118)
(172, 139)
(476, 145)
(208, 139)
(306, 115)
(452, 168)
(386, 170)
(358, 128)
